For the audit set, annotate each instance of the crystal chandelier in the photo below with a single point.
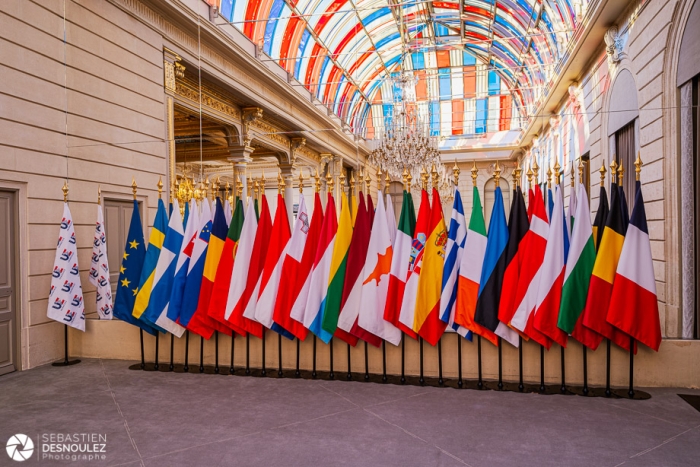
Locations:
(405, 144)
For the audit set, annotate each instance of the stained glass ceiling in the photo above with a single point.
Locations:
(480, 66)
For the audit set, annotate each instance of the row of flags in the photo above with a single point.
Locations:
(544, 274)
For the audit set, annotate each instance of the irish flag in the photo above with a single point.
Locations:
(399, 266)
(470, 269)
(375, 280)
(336, 277)
(633, 308)
(311, 313)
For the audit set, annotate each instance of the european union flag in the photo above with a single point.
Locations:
(130, 273)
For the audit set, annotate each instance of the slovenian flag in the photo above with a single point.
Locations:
(634, 308)
(470, 272)
(311, 314)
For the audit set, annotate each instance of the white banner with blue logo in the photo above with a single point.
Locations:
(99, 269)
(66, 296)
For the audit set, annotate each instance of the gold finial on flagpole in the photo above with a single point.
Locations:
(301, 181)
(239, 188)
(368, 181)
(256, 188)
(317, 183)
(455, 173)
(249, 186)
(424, 178)
(536, 170)
(581, 166)
(352, 183)
(549, 176)
(434, 177)
(387, 182)
(263, 184)
(497, 174)
(379, 178)
(160, 187)
(529, 174)
(638, 166)
(404, 177)
(620, 173)
(572, 175)
(329, 182)
(341, 182)
(133, 188)
(475, 173)
(65, 191)
(214, 190)
(228, 188)
(602, 174)
(409, 182)
(518, 174)
(557, 172)
(99, 194)
(613, 171)
(280, 184)
(206, 189)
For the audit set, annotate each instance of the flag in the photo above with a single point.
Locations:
(130, 272)
(66, 294)
(399, 265)
(550, 204)
(453, 256)
(426, 320)
(348, 330)
(390, 219)
(518, 228)
(311, 314)
(530, 203)
(470, 271)
(274, 255)
(156, 313)
(420, 236)
(534, 244)
(604, 270)
(552, 275)
(495, 262)
(248, 262)
(148, 272)
(294, 290)
(375, 280)
(201, 323)
(228, 212)
(99, 269)
(600, 217)
(223, 279)
(336, 277)
(634, 308)
(579, 267)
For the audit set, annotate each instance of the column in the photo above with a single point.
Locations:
(240, 157)
(288, 177)
(687, 212)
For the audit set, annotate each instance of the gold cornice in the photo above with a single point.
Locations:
(211, 99)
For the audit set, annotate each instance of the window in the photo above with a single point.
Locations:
(586, 159)
(490, 197)
(625, 153)
(117, 214)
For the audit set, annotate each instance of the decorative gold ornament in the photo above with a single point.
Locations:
(475, 173)
(638, 166)
(602, 174)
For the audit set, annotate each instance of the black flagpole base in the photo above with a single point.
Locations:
(216, 366)
(421, 379)
(384, 377)
(480, 382)
(66, 363)
(349, 376)
(460, 383)
(563, 373)
(366, 363)
(280, 373)
(543, 388)
(143, 358)
(521, 386)
(247, 352)
(500, 364)
(608, 392)
(201, 354)
(630, 392)
(186, 367)
(155, 364)
(297, 373)
(171, 367)
(441, 381)
(403, 357)
(313, 371)
(331, 375)
(585, 370)
(263, 370)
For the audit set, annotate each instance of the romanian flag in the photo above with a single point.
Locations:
(426, 321)
(399, 265)
(634, 308)
(336, 278)
(148, 273)
(600, 288)
(470, 270)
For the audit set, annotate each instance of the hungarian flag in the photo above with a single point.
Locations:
(579, 266)
(247, 268)
(399, 266)
(183, 262)
(518, 228)
(420, 236)
(214, 250)
(294, 289)
(274, 255)
(453, 256)
(634, 308)
(604, 269)
(99, 269)
(375, 280)
(600, 218)
(219, 295)
(495, 262)
(390, 219)
(426, 321)
(534, 244)
(311, 313)
(148, 273)
(348, 330)
(470, 270)
(336, 277)
(552, 275)
(157, 310)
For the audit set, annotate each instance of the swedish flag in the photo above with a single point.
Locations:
(155, 243)
(130, 273)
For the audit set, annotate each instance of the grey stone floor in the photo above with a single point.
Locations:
(169, 419)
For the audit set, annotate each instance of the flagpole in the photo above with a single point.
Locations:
(384, 378)
(441, 382)
(521, 386)
(608, 392)
(480, 382)
(403, 357)
(232, 370)
(421, 380)
(143, 359)
(542, 387)
(280, 373)
(155, 365)
(185, 368)
(630, 392)
(201, 354)
(563, 372)
(172, 351)
(349, 368)
(585, 370)
(216, 352)
(313, 372)
(247, 352)
(366, 363)
(263, 371)
(331, 375)
(500, 364)
(298, 373)
(460, 383)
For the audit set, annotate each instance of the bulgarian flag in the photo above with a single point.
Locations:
(453, 256)
(579, 266)
(470, 269)
(634, 308)
(534, 244)
(604, 269)
(220, 292)
(273, 248)
(495, 262)
(518, 228)
(420, 236)
(552, 275)
(296, 269)
(375, 280)
(311, 314)
(348, 330)
(426, 321)
(399, 265)
(247, 266)
(336, 277)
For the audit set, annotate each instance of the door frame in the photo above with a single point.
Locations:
(22, 360)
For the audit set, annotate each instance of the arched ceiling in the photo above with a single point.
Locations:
(480, 65)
